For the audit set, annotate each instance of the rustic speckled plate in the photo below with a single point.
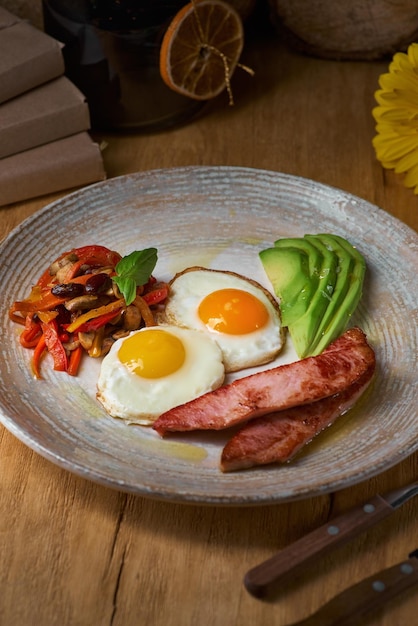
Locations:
(219, 217)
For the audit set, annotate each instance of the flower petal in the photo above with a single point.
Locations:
(397, 147)
(411, 177)
(396, 116)
(407, 162)
(413, 54)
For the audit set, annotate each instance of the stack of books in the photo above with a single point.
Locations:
(45, 145)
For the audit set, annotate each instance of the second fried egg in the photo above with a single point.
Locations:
(238, 313)
(156, 368)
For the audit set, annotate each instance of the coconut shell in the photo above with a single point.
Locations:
(353, 29)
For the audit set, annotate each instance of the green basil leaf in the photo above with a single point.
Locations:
(138, 265)
(134, 270)
(127, 287)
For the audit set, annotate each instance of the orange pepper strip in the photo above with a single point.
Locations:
(88, 315)
(37, 355)
(46, 303)
(28, 341)
(74, 361)
(29, 337)
(146, 312)
(19, 319)
(47, 316)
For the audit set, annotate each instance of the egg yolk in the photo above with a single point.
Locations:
(153, 353)
(233, 311)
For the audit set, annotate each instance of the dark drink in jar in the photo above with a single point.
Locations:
(111, 52)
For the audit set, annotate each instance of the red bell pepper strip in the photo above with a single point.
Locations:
(98, 255)
(94, 255)
(93, 313)
(54, 345)
(97, 322)
(156, 296)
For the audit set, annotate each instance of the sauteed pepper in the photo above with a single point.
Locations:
(85, 300)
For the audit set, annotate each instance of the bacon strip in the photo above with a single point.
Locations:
(277, 437)
(302, 382)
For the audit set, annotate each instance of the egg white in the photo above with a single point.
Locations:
(188, 289)
(126, 395)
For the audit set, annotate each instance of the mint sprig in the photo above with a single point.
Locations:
(134, 270)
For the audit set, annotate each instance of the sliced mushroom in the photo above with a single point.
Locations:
(132, 318)
(71, 345)
(116, 291)
(63, 272)
(57, 265)
(120, 333)
(105, 269)
(82, 303)
(86, 340)
(107, 344)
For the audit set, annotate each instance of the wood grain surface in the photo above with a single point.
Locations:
(77, 554)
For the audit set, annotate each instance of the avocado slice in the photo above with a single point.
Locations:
(300, 299)
(304, 329)
(344, 307)
(315, 256)
(288, 272)
(319, 280)
(345, 268)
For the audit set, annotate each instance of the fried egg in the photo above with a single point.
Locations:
(242, 316)
(156, 368)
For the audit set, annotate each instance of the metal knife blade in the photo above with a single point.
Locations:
(367, 595)
(322, 540)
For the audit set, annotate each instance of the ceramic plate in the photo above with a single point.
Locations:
(217, 217)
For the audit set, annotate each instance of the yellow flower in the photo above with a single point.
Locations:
(396, 142)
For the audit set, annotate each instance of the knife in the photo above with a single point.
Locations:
(322, 540)
(367, 595)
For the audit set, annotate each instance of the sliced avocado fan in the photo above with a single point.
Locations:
(319, 281)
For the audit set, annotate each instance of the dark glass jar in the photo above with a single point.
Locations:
(111, 53)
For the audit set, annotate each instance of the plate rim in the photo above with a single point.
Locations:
(187, 498)
(102, 184)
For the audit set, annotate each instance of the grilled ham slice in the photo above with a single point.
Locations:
(313, 378)
(277, 437)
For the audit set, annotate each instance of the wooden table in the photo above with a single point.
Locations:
(77, 554)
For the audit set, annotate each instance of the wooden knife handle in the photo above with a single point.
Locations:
(297, 555)
(367, 595)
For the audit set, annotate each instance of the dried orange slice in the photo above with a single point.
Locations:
(201, 48)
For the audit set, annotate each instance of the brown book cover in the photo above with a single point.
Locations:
(28, 56)
(63, 164)
(51, 111)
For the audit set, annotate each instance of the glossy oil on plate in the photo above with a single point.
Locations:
(217, 217)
